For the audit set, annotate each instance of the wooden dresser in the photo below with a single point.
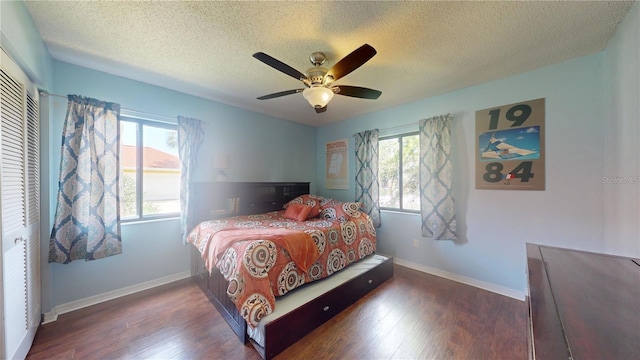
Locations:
(582, 305)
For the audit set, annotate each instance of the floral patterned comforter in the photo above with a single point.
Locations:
(259, 270)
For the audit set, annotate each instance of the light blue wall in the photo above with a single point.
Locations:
(622, 137)
(494, 225)
(592, 133)
(262, 148)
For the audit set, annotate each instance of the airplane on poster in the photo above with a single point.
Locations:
(496, 149)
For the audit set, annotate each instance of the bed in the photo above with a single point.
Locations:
(275, 276)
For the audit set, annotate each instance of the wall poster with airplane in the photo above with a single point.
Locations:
(510, 146)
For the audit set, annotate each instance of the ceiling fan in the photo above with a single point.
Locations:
(318, 80)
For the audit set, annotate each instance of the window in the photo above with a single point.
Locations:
(398, 163)
(149, 169)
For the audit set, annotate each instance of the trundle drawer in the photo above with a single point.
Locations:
(316, 312)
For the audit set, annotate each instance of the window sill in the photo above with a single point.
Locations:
(400, 212)
(147, 221)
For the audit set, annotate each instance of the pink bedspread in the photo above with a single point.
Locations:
(298, 244)
(254, 253)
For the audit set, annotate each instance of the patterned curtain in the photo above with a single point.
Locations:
(190, 136)
(367, 185)
(436, 203)
(87, 219)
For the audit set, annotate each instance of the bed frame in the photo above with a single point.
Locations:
(253, 198)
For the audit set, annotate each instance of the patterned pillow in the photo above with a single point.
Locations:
(341, 211)
(312, 200)
(298, 212)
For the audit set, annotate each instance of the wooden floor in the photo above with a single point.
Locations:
(411, 316)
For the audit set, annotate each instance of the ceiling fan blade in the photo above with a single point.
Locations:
(279, 65)
(281, 93)
(321, 110)
(352, 61)
(358, 92)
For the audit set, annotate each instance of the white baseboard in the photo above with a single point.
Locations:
(110, 295)
(501, 290)
(25, 345)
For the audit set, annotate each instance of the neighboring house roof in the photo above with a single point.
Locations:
(151, 158)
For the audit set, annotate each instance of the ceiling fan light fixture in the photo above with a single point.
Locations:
(318, 81)
(318, 96)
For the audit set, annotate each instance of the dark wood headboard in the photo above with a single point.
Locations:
(223, 199)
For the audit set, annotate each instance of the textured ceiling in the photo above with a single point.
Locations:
(424, 48)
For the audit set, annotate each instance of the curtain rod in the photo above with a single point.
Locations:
(166, 118)
(399, 126)
(391, 128)
(405, 125)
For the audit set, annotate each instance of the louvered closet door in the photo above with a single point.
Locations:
(20, 223)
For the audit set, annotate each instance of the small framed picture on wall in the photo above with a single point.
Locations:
(337, 165)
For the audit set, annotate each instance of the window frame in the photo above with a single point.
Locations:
(399, 138)
(140, 122)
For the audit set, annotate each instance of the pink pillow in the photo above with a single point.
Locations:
(311, 200)
(298, 212)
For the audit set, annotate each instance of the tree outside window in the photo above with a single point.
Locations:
(398, 164)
